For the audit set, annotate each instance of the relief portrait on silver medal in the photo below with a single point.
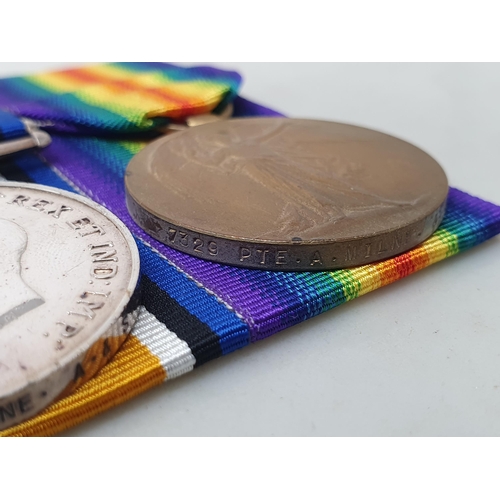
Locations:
(16, 296)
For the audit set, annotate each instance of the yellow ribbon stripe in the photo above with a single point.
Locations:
(133, 370)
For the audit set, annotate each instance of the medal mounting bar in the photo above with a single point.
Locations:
(195, 120)
(35, 138)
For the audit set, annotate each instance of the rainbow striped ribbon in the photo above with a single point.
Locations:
(192, 310)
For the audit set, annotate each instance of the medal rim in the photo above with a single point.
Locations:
(301, 260)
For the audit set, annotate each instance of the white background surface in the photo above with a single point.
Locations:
(419, 357)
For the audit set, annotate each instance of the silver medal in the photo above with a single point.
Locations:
(69, 271)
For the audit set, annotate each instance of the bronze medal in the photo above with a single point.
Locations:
(286, 194)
